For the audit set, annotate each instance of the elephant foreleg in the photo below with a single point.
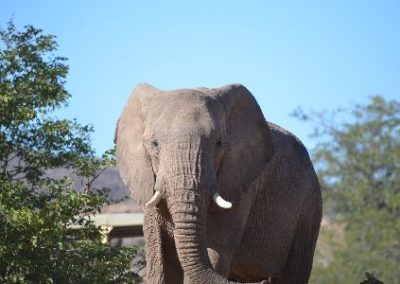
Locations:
(226, 229)
(163, 265)
(299, 262)
(154, 257)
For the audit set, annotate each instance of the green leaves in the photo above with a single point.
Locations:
(39, 239)
(358, 163)
(32, 82)
(30, 70)
(39, 242)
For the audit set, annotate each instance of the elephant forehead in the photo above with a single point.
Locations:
(186, 120)
(178, 117)
(188, 115)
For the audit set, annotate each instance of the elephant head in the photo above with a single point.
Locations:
(191, 147)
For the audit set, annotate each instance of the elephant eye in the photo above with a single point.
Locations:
(154, 143)
(219, 143)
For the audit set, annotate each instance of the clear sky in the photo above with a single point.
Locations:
(310, 54)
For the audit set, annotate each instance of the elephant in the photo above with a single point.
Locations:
(228, 197)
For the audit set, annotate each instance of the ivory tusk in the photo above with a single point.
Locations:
(154, 200)
(222, 202)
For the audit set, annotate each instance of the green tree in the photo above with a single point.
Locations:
(39, 242)
(357, 156)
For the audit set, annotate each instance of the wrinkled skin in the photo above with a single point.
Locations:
(189, 145)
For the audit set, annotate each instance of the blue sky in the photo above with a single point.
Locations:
(310, 54)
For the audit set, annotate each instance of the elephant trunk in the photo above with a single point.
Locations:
(188, 210)
(189, 188)
(189, 214)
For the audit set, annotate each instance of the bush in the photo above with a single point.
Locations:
(39, 216)
(358, 163)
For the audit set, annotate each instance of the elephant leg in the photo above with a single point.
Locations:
(299, 262)
(225, 231)
(153, 242)
(172, 267)
(163, 265)
(221, 261)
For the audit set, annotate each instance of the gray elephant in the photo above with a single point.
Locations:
(227, 195)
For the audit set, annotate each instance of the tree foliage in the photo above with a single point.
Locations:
(357, 156)
(39, 215)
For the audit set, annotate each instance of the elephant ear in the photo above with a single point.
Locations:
(133, 163)
(249, 141)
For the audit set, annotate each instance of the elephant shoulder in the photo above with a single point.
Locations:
(291, 166)
(286, 144)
